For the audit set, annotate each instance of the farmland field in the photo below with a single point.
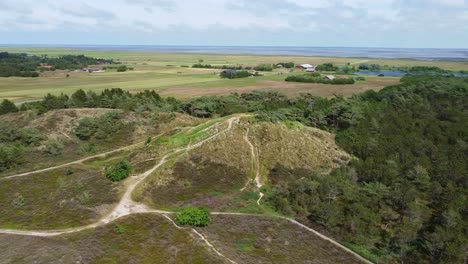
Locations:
(171, 75)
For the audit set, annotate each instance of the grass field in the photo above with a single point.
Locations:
(169, 75)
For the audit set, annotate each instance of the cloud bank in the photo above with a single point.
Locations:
(384, 23)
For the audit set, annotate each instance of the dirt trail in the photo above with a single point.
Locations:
(202, 238)
(127, 206)
(256, 163)
(76, 161)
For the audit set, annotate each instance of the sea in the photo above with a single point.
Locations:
(425, 54)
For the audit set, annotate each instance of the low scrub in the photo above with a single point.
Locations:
(194, 217)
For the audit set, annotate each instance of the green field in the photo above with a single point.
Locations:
(169, 75)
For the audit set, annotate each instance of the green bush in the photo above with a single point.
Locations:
(54, 147)
(122, 68)
(7, 106)
(264, 67)
(86, 149)
(233, 74)
(194, 217)
(102, 127)
(120, 171)
(10, 155)
(87, 127)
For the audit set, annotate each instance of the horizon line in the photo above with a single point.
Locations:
(234, 46)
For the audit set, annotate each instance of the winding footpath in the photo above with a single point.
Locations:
(76, 161)
(127, 206)
(256, 164)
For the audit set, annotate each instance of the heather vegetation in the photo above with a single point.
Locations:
(402, 198)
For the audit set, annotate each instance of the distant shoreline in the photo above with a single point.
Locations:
(418, 54)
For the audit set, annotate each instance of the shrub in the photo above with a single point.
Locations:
(119, 172)
(54, 147)
(87, 149)
(264, 67)
(7, 106)
(122, 68)
(194, 217)
(87, 127)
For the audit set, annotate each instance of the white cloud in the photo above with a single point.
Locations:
(338, 17)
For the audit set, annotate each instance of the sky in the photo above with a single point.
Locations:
(312, 23)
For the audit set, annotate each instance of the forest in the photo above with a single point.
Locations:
(24, 65)
(403, 197)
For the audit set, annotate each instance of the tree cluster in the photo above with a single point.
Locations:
(327, 67)
(317, 78)
(24, 65)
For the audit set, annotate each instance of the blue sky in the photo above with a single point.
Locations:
(351, 23)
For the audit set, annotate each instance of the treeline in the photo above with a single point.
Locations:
(326, 67)
(24, 65)
(261, 67)
(317, 78)
(114, 98)
(407, 69)
(234, 74)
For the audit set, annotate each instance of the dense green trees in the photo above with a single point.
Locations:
(24, 65)
(405, 195)
(317, 78)
(234, 74)
(287, 65)
(264, 67)
(327, 67)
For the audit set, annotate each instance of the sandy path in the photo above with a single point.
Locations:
(256, 162)
(75, 162)
(127, 206)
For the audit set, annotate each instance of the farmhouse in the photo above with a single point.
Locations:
(311, 69)
(305, 66)
(46, 66)
(91, 70)
(229, 72)
(329, 77)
